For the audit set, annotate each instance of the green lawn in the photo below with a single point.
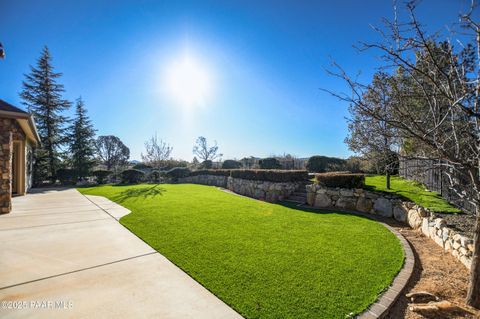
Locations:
(264, 260)
(412, 191)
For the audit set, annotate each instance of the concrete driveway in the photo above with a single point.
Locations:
(64, 256)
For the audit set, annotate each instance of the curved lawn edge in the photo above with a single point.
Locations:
(322, 267)
(381, 307)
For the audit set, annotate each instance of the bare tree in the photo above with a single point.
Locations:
(374, 138)
(205, 152)
(435, 96)
(112, 152)
(157, 152)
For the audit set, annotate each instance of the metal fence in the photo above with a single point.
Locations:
(434, 175)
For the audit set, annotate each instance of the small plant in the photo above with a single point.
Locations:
(67, 176)
(132, 176)
(101, 176)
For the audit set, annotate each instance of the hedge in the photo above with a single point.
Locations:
(269, 163)
(216, 172)
(177, 172)
(276, 176)
(343, 180)
(132, 176)
(102, 175)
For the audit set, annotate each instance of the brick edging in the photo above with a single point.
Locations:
(386, 300)
(380, 308)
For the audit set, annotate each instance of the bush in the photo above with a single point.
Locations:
(101, 175)
(171, 163)
(217, 172)
(231, 164)
(178, 172)
(67, 176)
(142, 167)
(132, 176)
(343, 180)
(153, 176)
(320, 164)
(206, 164)
(276, 176)
(269, 163)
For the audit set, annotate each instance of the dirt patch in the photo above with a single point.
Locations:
(435, 271)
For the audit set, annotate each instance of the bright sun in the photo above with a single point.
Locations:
(187, 82)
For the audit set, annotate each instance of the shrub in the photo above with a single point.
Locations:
(67, 176)
(178, 172)
(171, 163)
(320, 164)
(343, 180)
(269, 163)
(231, 164)
(153, 176)
(206, 164)
(132, 176)
(101, 175)
(142, 167)
(217, 172)
(276, 176)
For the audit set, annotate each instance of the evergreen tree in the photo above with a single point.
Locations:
(82, 141)
(42, 95)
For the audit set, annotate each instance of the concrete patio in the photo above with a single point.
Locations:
(66, 256)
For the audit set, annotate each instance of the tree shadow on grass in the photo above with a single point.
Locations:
(140, 192)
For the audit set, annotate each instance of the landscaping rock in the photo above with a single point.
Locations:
(364, 204)
(322, 200)
(414, 219)
(425, 227)
(346, 203)
(383, 207)
(400, 213)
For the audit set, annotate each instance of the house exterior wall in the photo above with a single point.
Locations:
(9, 131)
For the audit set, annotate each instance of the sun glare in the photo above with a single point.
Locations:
(188, 82)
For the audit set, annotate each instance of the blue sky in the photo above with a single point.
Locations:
(265, 62)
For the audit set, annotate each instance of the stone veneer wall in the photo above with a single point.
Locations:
(391, 206)
(9, 131)
(6, 145)
(268, 191)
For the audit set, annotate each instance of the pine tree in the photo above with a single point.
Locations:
(82, 141)
(42, 96)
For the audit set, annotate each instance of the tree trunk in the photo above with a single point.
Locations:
(473, 294)
(388, 179)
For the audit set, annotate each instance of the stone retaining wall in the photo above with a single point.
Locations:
(268, 191)
(391, 206)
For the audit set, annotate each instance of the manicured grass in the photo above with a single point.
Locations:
(412, 191)
(264, 260)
